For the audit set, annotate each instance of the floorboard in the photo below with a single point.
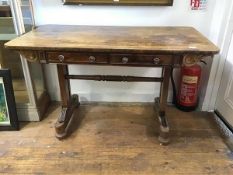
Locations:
(109, 140)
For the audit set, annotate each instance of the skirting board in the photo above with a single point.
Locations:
(223, 120)
(226, 130)
(119, 97)
(29, 113)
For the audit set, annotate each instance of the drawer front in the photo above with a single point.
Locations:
(76, 58)
(141, 60)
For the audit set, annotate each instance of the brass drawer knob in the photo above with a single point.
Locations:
(156, 60)
(61, 58)
(92, 59)
(125, 60)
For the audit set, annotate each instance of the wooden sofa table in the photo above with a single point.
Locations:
(112, 46)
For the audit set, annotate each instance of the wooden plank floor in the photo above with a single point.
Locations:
(117, 140)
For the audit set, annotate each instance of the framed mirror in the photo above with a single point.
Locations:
(121, 2)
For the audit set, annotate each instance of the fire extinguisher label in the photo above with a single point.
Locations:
(189, 79)
(189, 90)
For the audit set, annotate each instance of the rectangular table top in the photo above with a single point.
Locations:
(114, 39)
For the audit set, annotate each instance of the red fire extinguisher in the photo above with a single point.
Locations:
(187, 98)
(190, 75)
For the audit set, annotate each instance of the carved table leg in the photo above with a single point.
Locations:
(69, 103)
(160, 104)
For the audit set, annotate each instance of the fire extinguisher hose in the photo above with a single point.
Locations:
(173, 86)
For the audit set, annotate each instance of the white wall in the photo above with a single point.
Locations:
(54, 12)
(219, 35)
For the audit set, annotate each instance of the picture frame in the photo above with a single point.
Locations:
(121, 2)
(8, 112)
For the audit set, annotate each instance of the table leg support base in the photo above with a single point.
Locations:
(164, 127)
(163, 134)
(63, 122)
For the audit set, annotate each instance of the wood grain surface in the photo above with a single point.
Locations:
(114, 39)
(117, 140)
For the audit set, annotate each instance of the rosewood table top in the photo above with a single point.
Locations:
(114, 39)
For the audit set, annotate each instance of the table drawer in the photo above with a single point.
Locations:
(76, 58)
(143, 60)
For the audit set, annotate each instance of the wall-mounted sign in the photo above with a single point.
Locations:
(198, 4)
